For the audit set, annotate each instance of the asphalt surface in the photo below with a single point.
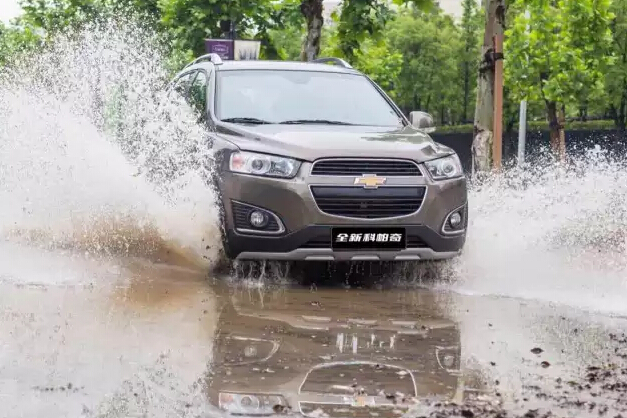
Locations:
(84, 337)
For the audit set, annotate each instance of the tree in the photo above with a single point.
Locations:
(429, 43)
(312, 11)
(484, 108)
(15, 40)
(378, 60)
(366, 19)
(470, 25)
(190, 22)
(616, 76)
(58, 15)
(556, 52)
(286, 36)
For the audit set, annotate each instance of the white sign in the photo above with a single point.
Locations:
(369, 238)
(246, 50)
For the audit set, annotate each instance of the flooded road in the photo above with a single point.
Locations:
(108, 231)
(138, 338)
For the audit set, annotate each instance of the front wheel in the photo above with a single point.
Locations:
(225, 258)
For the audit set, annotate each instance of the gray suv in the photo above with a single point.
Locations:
(314, 162)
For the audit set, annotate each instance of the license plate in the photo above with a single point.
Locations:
(360, 401)
(369, 238)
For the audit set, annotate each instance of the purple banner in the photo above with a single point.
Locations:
(222, 47)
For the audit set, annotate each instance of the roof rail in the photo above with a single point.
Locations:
(213, 57)
(335, 61)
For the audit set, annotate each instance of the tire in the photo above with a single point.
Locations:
(225, 257)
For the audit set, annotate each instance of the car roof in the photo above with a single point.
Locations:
(229, 65)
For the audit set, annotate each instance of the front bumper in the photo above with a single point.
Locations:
(304, 230)
(313, 243)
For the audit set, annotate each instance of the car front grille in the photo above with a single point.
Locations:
(358, 167)
(314, 410)
(371, 378)
(358, 202)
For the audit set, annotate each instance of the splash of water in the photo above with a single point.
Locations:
(550, 232)
(93, 156)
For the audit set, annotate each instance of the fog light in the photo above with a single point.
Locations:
(258, 219)
(250, 351)
(246, 402)
(448, 361)
(455, 220)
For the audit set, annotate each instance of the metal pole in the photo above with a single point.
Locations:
(522, 131)
(497, 143)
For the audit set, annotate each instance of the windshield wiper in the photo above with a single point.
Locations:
(247, 120)
(318, 121)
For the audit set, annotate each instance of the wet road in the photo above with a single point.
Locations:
(139, 339)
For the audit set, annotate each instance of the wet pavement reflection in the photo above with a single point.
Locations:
(140, 339)
(331, 351)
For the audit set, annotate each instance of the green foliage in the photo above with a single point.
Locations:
(616, 75)
(418, 55)
(558, 52)
(366, 19)
(374, 58)
(539, 126)
(287, 39)
(190, 22)
(51, 16)
(429, 79)
(15, 41)
(471, 32)
(382, 64)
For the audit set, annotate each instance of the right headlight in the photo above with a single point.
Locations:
(263, 164)
(252, 404)
(445, 168)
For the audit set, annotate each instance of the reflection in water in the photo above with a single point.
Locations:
(331, 352)
(133, 342)
(131, 338)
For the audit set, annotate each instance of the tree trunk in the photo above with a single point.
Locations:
(556, 125)
(466, 88)
(484, 110)
(561, 149)
(623, 107)
(312, 11)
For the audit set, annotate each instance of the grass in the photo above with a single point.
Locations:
(593, 125)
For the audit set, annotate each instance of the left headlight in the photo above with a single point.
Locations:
(445, 168)
(263, 164)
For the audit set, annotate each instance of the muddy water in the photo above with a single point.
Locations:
(135, 338)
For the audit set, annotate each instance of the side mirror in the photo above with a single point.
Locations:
(422, 121)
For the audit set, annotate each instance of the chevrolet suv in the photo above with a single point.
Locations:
(315, 162)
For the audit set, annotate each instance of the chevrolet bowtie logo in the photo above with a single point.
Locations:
(370, 181)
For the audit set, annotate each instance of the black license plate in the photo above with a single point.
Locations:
(369, 238)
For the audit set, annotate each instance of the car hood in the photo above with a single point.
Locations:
(310, 142)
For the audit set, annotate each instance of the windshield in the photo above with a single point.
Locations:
(301, 97)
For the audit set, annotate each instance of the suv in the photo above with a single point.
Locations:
(314, 162)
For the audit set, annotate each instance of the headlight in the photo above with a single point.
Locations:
(445, 168)
(263, 164)
(252, 404)
(244, 350)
